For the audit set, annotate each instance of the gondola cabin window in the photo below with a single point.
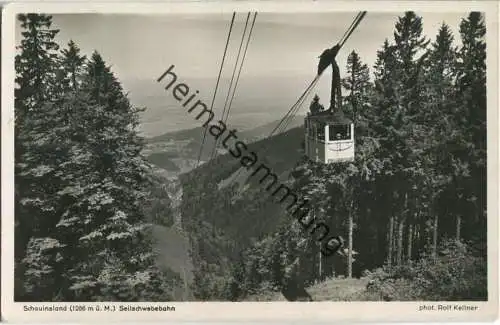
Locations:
(321, 132)
(340, 132)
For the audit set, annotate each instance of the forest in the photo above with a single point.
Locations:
(411, 207)
(85, 197)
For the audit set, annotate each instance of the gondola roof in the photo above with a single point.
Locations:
(338, 117)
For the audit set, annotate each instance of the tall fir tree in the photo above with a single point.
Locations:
(384, 119)
(440, 107)
(411, 128)
(357, 83)
(35, 82)
(112, 183)
(471, 88)
(35, 68)
(80, 179)
(71, 68)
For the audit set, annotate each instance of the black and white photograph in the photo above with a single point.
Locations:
(251, 156)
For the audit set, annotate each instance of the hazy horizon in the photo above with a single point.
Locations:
(280, 62)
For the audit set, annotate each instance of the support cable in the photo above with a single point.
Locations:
(216, 86)
(214, 149)
(241, 66)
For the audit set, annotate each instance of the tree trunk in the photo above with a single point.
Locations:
(186, 286)
(349, 256)
(401, 225)
(459, 223)
(395, 240)
(390, 241)
(435, 236)
(353, 100)
(410, 241)
(320, 266)
(399, 256)
(416, 238)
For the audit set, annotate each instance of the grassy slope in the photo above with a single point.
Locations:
(328, 290)
(173, 250)
(173, 254)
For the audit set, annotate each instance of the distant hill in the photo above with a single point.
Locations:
(263, 131)
(243, 220)
(226, 218)
(196, 134)
(185, 144)
(163, 160)
(187, 134)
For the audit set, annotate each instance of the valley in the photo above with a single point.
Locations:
(173, 155)
(177, 152)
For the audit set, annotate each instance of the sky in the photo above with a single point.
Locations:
(280, 61)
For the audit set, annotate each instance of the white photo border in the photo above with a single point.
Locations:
(249, 311)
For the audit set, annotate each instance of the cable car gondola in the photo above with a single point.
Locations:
(329, 134)
(329, 137)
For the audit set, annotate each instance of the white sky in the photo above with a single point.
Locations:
(141, 46)
(281, 58)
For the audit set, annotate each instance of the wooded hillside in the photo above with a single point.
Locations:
(412, 206)
(85, 197)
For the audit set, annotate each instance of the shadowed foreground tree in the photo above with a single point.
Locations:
(34, 66)
(82, 181)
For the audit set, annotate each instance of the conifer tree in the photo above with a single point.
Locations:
(71, 69)
(440, 106)
(471, 87)
(115, 256)
(81, 179)
(411, 132)
(357, 83)
(35, 75)
(35, 69)
(386, 92)
(383, 126)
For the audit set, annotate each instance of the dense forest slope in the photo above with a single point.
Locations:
(222, 179)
